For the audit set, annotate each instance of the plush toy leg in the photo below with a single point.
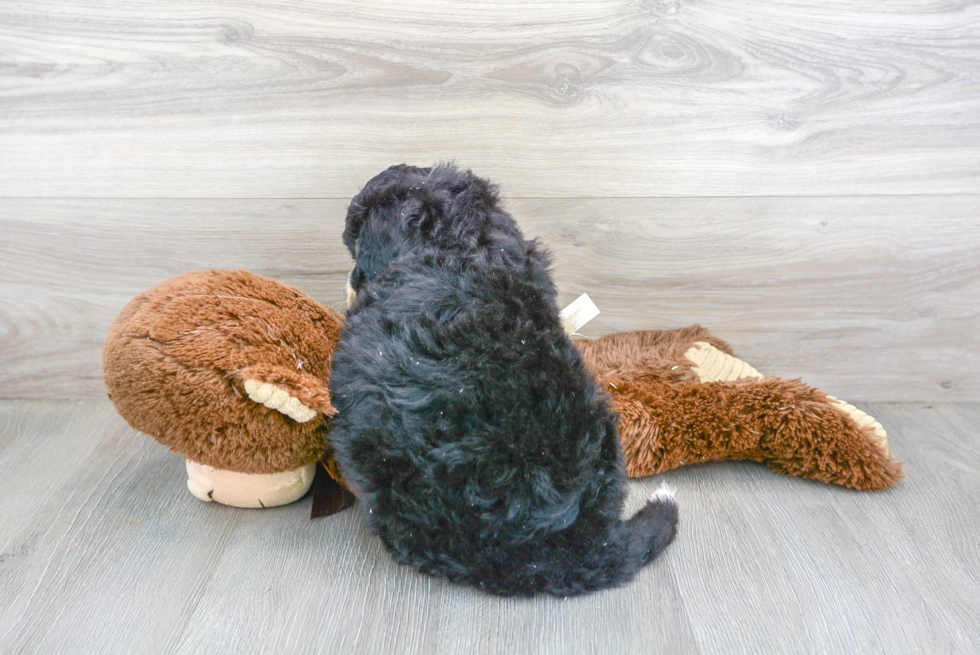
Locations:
(684, 398)
(714, 365)
(247, 489)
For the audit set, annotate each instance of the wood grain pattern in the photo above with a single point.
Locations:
(103, 549)
(858, 296)
(800, 177)
(554, 99)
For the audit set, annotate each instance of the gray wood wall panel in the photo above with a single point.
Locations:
(554, 99)
(629, 130)
(863, 297)
(102, 549)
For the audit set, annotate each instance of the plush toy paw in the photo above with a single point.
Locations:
(863, 420)
(685, 398)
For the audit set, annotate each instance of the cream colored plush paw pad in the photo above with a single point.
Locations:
(249, 490)
(865, 421)
(275, 398)
(713, 365)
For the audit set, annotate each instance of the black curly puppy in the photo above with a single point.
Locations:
(468, 424)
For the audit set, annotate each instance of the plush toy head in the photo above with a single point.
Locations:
(229, 369)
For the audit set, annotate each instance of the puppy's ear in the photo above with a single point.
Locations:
(376, 247)
(381, 190)
(355, 279)
(352, 230)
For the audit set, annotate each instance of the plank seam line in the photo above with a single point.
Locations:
(507, 197)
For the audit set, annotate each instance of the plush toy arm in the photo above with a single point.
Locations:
(713, 365)
(296, 394)
(684, 398)
(787, 425)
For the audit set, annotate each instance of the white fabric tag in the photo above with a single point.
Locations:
(578, 313)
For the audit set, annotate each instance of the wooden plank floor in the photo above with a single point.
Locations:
(102, 549)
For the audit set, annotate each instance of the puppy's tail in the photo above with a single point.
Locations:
(631, 545)
(650, 530)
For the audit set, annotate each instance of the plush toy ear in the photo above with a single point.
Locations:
(296, 394)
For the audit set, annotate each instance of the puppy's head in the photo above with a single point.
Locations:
(405, 207)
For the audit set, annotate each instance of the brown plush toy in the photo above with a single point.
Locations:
(230, 369)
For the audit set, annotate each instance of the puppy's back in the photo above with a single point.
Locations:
(475, 436)
(471, 429)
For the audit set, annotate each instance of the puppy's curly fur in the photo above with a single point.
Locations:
(468, 423)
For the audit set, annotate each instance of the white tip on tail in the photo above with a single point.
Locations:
(664, 493)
